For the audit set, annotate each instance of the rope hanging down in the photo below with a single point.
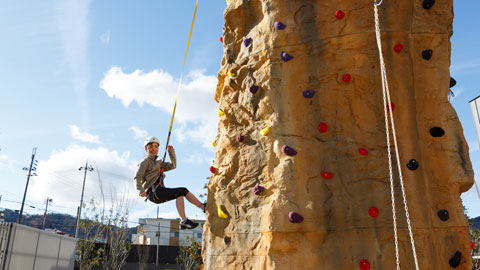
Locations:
(388, 113)
(178, 88)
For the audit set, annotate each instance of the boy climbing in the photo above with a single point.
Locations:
(149, 182)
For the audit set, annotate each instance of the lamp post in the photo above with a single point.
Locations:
(85, 168)
(33, 167)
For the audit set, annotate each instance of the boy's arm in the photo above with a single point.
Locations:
(140, 176)
(173, 158)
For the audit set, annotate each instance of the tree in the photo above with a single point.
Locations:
(189, 256)
(90, 257)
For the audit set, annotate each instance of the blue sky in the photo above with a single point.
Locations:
(90, 79)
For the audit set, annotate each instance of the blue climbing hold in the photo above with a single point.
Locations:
(308, 93)
(254, 88)
(279, 26)
(286, 57)
(247, 42)
(287, 150)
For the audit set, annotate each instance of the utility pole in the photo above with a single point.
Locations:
(158, 235)
(33, 167)
(47, 202)
(86, 168)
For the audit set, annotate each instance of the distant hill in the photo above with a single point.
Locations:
(63, 222)
(476, 223)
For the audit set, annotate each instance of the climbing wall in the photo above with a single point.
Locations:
(301, 176)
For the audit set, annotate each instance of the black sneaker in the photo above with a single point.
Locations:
(188, 224)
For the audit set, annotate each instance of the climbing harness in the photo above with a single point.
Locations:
(389, 113)
(178, 90)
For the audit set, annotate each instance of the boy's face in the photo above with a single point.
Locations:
(152, 149)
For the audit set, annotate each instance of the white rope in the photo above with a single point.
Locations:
(388, 113)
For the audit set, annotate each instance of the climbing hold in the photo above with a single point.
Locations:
(364, 265)
(213, 169)
(287, 150)
(437, 132)
(363, 151)
(221, 39)
(412, 165)
(326, 175)
(295, 217)
(254, 89)
(231, 74)
(427, 4)
(456, 259)
(220, 212)
(227, 240)
(427, 54)
(220, 112)
(214, 143)
(346, 77)
(373, 212)
(398, 48)
(240, 138)
(452, 82)
(258, 189)
(215, 98)
(308, 93)
(339, 14)
(227, 2)
(451, 33)
(472, 245)
(247, 42)
(286, 57)
(443, 215)
(322, 127)
(392, 105)
(279, 25)
(265, 131)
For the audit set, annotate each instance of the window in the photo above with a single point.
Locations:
(198, 235)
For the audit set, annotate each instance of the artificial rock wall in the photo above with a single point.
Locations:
(312, 83)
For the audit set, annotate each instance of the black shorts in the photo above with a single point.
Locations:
(163, 194)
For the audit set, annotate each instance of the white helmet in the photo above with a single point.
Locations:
(150, 140)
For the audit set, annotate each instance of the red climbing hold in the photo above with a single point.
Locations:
(212, 169)
(346, 77)
(221, 39)
(398, 48)
(363, 151)
(473, 245)
(339, 14)
(364, 265)
(326, 175)
(322, 127)
(391, 105)
(373, 212)
(215, 98)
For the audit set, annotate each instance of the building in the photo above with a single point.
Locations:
(169, 232)
(2, 215)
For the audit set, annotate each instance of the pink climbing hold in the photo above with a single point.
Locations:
(346, 77)
(398, 48)
(364, 265)
(295, 217)
(258, 189)
(287, 150)
(322, 127)
(212, 169)
(363, 151)
(339, 14)
(221, 39)
(373, 212)
(326, 175)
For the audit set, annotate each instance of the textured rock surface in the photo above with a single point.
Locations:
(338, 230)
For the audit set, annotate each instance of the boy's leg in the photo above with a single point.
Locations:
(193, 200)
(181, 207)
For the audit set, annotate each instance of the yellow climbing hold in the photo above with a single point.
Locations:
(220, 112)
(265, 131)
(231, 74)
(227, 2)
(221, 214)
(214, 143)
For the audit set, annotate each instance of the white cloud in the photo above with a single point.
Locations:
(196, 110)
(198, 159)
(3, 156)
(105, 38)
(83, 136)
(59, 177)
(139, 134)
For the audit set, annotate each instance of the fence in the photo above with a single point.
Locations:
(23, 247)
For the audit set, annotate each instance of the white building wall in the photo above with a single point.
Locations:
(150, 226)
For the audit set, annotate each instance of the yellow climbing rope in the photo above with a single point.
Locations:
(179, 84)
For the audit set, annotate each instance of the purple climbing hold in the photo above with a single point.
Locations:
(258, 189)
(295, 217)
(308, 93)
(247, 42)
(287, 150)
(240, 138)
(279, 26)
(286, 57)
(254, 88)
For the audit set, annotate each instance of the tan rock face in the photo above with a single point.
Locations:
(338, 230)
